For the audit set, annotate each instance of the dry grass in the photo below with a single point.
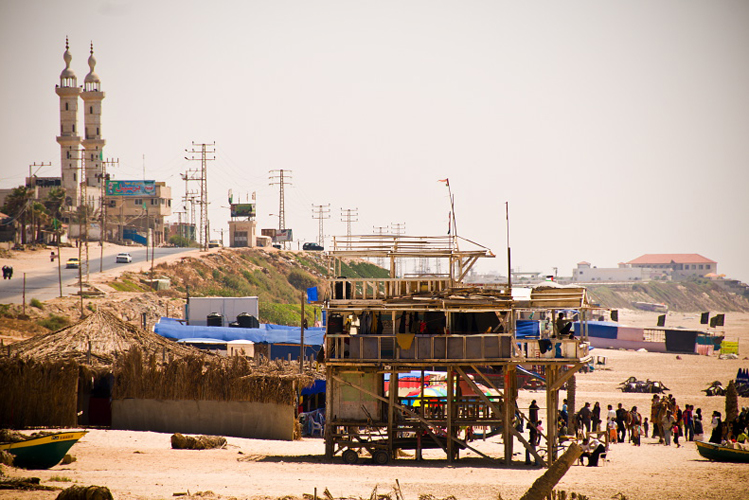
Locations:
(208, 378)
(38, 393)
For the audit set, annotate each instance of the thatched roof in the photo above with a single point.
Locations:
(107, 337)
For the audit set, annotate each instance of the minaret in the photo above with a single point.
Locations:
(93, 144)
(70, 142)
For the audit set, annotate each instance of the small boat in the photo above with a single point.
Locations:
(42, 452)
(720, 453)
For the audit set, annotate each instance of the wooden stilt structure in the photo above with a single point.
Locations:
(380, 329)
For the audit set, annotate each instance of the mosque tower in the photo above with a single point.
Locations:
(93, 144)
(68, 139)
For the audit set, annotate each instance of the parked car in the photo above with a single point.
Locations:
(214, 244)
(312, 247)
(73, 263)
(124, 258)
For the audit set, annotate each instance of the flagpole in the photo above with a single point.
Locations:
(509, 261)
(452, 208)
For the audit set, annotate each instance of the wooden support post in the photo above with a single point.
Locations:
(301, 337)
(449, 415)
(332, 386)
(552, 402)
(392, 396)
(509, 412)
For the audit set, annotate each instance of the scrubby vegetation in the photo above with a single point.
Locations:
(54, 322)
(278, 279)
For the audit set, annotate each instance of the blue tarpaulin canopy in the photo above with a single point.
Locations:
(267, 333)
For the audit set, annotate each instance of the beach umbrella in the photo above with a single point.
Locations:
(434, 391)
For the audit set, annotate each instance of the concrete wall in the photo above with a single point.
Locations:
(219, 418)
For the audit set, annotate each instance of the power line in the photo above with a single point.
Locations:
(205, 150)
(347, 216)
(321, 212)
(281, 178)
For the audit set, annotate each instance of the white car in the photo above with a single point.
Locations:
(124, 257)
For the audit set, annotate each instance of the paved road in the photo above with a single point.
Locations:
(42, 283)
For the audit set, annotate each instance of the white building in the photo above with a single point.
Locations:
(585, 273)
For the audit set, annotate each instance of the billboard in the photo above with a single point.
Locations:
(131, 188)
(283, 235)
(243, 210)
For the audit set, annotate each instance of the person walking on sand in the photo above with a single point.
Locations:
(621, 418)
(667, 426)
(595, 417)
(635, 423)
(688, 423)
(585, 416)
(717, 435)
(654, 403)
(698, 429)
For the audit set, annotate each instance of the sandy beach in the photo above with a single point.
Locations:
(142, 465)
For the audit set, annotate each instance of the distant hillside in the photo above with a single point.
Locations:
(278, 278)
(691, 296)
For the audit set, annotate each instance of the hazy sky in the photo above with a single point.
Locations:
(612, 128)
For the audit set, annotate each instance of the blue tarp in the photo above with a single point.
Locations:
(267, 333)
(526, 328)
(601, 329)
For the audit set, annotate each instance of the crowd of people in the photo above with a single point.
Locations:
(668, 422)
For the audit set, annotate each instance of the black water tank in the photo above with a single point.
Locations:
(234, 324)
(247, 320)
(214, 319)
(335, 324)
(342, 289)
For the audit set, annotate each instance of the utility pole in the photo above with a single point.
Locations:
(281, 178)
(42, 164)
(398, 228)
(31, 202)
(321, 212)
(380, 231)
(104, 180)
(347, 216)
(207, 153)
(179, 222)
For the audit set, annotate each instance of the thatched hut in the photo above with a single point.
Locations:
(106, 372)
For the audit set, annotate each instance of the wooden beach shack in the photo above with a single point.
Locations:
(434, 322)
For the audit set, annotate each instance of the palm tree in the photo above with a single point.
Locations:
(54, 202)
(41, 219)
(17, 206)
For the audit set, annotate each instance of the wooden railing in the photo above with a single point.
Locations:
(470, 408)
(476, 347)
(384, 288)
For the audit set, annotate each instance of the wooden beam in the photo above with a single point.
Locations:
(408, 412)
(484, 398)
(558, 383)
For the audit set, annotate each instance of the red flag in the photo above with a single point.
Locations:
(446, 181)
